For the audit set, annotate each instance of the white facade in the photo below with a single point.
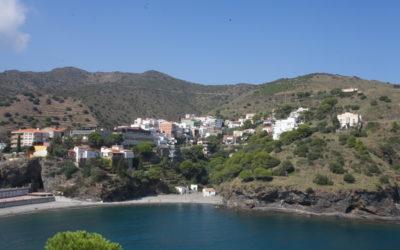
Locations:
(194, 187)
(284, 125)
(182, 190)
(208, 192)
(348, 120)
(84, 153)
(349, 90)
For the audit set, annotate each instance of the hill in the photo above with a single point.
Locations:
(109, 98)
(80, 97)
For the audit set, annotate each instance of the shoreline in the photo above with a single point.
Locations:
(65, 203)
(305, 213)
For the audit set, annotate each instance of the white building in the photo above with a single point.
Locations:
(350, 90)
(208, 192)
(81, 153)
(288, 124)
(250, 116)
(282, 126)
(194, 187)
(348, 120)
(28, 137)
(182, 190)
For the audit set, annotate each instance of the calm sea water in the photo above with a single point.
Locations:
(197, 227)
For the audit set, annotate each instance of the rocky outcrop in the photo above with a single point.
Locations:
(348, 203)
(20, 173)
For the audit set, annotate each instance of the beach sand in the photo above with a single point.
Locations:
(64, 202)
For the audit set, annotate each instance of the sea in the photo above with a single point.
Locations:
(198, 226)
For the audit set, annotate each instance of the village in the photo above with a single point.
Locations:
(164, 135)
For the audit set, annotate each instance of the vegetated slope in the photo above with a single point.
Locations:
(117, 97)
(308, 90)
(319, 155)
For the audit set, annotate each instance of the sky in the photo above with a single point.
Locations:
(207, 41)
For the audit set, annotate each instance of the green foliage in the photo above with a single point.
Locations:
(372, 169)
(194, 153)
(145, 150)
(349, 178)
(284, 169)
(301, 150)
(384, 179)
(95, 140)
(395, 127)
(247, 124)
(373, 126)
(322, 180)
(154, 173)
(194, 171)
(68, 169)
(283, 111)
(246, 175)
(303, 131)
(374, 103)
(336, 168)
(80, 240)
(263, 174)
(384, 99)
(57, 148)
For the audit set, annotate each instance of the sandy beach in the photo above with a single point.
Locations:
(63, 202)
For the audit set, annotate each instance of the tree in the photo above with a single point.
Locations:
(95, 140)
(80, 240)
(145, 150)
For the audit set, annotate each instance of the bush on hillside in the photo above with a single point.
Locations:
(336, 168)
(322, 180)
(349, 178)
(263, 174)
(385, 99)
(246, 175)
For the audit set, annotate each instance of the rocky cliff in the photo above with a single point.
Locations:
(381, 204)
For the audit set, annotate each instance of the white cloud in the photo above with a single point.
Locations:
(12, 17)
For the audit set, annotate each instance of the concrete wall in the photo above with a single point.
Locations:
(26, 202)
(13, 192)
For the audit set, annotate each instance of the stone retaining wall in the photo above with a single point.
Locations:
(26, 202)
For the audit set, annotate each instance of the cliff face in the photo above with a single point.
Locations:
(21, 173)
(47, 175)
(347, 203)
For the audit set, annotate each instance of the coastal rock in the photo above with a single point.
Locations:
(358, 203)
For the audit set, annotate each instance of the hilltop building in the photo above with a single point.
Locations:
(117, 152)
(348, 120)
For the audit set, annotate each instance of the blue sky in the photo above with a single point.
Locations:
(207, 41)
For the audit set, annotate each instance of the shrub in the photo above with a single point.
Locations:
(246, 175)
(384, 179)
(373, 169)
(80, 240)
(343, 138)
(263, 174)
(336, 168)
(284, 169)
(349, 178)
(68, 169)
(301, 150)
(374, 103)
(373, 126)
(7, 115)
(323, 180)
(385, 99)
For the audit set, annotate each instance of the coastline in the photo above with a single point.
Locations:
(274, 208)
(64, 202)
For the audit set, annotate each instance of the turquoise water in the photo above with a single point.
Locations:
(197, 227)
